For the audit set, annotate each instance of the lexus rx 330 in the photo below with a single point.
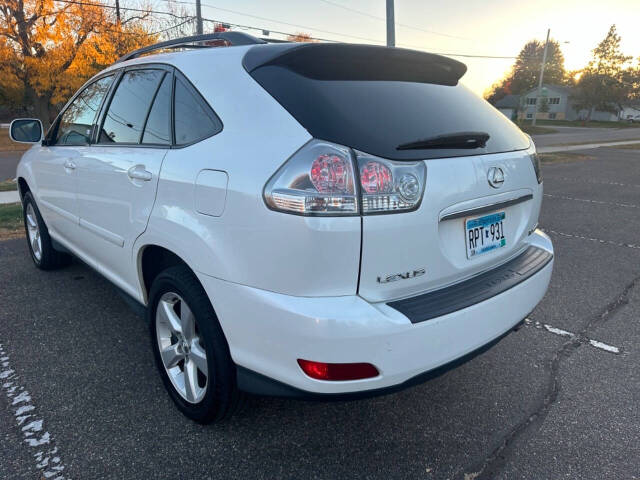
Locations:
(306, 220)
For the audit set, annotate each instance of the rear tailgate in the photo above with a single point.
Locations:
(406, 107)
(397, 249)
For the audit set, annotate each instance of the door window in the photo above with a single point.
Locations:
(158, 127)
(77, 120)
(125, 118)
(194, 119)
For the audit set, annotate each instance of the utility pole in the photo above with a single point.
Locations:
(118, 11)
(539, 94)
(391, 25)
(198, 18)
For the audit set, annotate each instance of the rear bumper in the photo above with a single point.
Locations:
(268, 331)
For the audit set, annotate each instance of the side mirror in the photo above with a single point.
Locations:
(26, 130)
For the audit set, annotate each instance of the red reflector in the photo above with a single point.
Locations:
(337, 371)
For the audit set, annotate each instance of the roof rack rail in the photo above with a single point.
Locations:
(234, 38)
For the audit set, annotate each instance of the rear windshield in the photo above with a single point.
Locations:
(377, 116)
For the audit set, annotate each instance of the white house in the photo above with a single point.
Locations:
(630, 113)
(559, 106)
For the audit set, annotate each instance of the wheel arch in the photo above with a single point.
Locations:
(152, 260)
(23, 187)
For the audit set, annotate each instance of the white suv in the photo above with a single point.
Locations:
(307, 220)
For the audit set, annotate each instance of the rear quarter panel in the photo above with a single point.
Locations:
(248, 243)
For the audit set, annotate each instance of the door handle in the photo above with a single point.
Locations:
(69, 165)
(137, 172)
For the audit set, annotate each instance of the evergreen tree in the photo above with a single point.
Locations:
(603, 84)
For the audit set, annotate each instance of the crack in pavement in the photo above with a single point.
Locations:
(564, 333)
(591, 239)
(587, 200)
(496, 460)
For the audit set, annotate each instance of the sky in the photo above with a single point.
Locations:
(476, 27)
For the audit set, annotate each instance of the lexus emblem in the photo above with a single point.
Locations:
(495, 176)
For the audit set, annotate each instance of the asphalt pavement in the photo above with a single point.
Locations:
(8, 163)
(556, 399)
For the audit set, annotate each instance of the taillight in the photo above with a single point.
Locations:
(535, 160)
(321, 179)
(337, 371)
(318, 180)
(389, 186)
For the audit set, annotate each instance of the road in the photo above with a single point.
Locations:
(541, 404)
(8, 163)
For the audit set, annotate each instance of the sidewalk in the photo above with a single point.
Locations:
(9, 197)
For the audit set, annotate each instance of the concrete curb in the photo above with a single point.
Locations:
(584, 146)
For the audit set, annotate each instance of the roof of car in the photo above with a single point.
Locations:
(172, 57)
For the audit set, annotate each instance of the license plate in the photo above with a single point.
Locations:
(484, 234)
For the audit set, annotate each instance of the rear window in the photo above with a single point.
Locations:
(376, 116)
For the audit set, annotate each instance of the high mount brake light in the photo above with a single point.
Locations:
(320, 180)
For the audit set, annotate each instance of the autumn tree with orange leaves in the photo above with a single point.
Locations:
(301, 37)
(48, 49)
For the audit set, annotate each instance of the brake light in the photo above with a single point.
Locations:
(375, 178)
(389, 186)
(320, 179)
(331, 174)
(337, 371)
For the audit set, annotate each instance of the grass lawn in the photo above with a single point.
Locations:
(579, 123)
(563, 157)
(531, 130)
(11, 221)
(8, 145)
(8, 186)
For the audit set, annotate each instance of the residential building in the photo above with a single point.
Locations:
(509, 106)
(559, 106)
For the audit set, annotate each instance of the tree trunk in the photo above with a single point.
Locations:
(41, 106)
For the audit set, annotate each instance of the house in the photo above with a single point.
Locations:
(509, 106)
(556, 104)
(630, 113)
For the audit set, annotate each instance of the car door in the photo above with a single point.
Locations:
(55, 162)
(118, 175)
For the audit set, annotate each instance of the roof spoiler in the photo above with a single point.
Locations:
(196, 41)
(343, 61)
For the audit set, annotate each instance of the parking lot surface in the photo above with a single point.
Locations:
(556, 399)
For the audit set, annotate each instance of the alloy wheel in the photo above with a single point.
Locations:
(33, 231)
(181, 347)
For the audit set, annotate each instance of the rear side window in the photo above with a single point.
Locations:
(77, 121)
(124, 121)
(194, 119)
(158, 127)
(376, 100)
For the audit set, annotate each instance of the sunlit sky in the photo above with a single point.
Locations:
(479, 27)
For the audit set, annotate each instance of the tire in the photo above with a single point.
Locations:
(41, 249)
(213, 395)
